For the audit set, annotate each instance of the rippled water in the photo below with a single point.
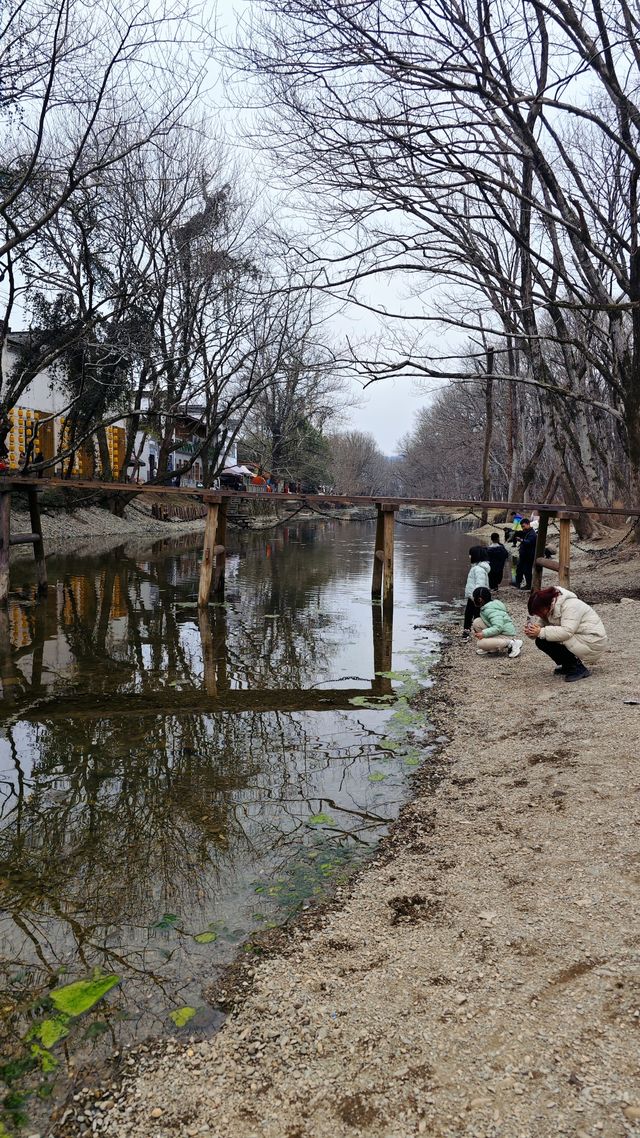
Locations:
(172, 781)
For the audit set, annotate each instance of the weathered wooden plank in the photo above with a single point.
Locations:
(436, 504)
(546, 563)
(23, 538)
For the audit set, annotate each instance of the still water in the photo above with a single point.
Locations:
(170, 782)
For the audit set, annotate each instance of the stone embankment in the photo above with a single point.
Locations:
(59, 527)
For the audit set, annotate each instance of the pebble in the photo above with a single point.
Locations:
(632, 1113)
(157, 1112)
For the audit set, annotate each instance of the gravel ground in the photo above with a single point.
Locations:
(480, 979)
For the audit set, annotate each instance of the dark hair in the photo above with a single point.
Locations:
(495, 537)
(525, 521)
(541, 600)
(477, 553)
(481, 594)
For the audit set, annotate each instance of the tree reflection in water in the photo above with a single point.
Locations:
(130, 827)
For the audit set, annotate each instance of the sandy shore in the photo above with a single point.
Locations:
(481, 977)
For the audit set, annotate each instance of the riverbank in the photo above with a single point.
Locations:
(61, 527)
(481, 978)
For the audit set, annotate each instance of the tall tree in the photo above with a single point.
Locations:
(493, 152)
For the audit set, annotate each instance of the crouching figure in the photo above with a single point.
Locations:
(494, 629)
(566, 629)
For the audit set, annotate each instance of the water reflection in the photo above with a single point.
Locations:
(171, 779)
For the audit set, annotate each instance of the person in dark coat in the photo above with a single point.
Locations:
(497, 556)
(527, 554)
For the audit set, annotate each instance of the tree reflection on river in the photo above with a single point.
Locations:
(170, 781)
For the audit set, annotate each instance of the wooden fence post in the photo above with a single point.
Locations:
(378, 556)
(541, 542)
(389, 516)
(212, 502)
(5, 537)
(382, 648)
(208, 656)
(220, 549)
(564, 553)
(38, 545)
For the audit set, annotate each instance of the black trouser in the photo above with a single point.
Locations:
(495, 578)
(470, 614)
(524, 569)
(559, 654)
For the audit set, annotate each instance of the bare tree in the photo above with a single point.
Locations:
(284, 431)
(358, 466)
(83, 88)
(492, 152)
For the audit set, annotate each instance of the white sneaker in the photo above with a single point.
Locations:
(514, 648)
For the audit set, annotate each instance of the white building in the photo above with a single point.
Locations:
(43, 410)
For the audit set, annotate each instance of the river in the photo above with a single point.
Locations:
(171, 782)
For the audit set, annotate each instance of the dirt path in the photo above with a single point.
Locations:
(483, 980)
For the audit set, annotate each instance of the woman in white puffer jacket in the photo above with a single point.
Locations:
(566, 629)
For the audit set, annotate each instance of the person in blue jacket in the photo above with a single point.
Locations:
(527, 554)
(494, 629)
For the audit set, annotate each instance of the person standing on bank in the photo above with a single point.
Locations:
(566, 629)
(478, 577)
(497, 556)
(527, 554)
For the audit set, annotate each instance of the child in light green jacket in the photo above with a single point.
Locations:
(494, 629)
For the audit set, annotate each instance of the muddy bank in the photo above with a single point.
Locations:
(481, 980)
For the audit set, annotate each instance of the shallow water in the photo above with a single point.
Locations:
(171, 782)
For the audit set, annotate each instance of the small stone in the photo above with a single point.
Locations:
(422, 1126)
(476, 1103)
(632, 1113)
(461, 998)
(157, 1112)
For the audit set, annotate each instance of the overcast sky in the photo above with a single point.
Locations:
(386, 409)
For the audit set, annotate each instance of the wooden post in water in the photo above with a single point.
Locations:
(220, 549)
(208, 655)
(378, 557)
(38, 544)
(541, 542)
(389, 517)
(5, 537)
(212, 501)
(382, 583)
(564, 553)
(382, 648)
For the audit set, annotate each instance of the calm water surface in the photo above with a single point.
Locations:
(171, 782)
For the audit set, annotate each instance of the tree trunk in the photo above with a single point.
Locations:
(105, 457)
(488, 434)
